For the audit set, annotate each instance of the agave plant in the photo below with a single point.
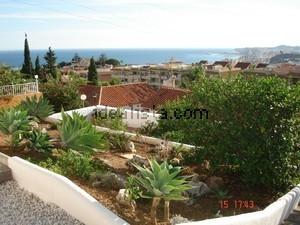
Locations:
(14, 123)
(161, 181)
(39, 141)
(38, 108)
(79, 134)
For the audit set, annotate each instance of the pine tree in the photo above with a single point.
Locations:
(50, 63)
(37, 66)
(92, 72)
(27, 65)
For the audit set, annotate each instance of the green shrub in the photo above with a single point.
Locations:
(75, 164)
(61, 95)
(14, 124)
(72, 164)
(50, 164)
(112, 120)
(79, 134)
(118, 141)
(9, 76)
(37, 108)
(252, 127)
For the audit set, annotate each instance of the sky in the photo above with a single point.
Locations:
(69, 24)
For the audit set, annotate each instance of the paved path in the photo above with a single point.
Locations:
(294, 218)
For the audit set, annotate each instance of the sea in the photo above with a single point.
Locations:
(14, 58)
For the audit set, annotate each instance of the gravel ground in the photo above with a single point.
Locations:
(19, 207)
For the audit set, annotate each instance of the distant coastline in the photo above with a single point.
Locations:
(14, 58)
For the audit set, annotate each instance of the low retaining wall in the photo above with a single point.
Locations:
(135, 137)
(274, 214)
(133, 119)
(54, 188)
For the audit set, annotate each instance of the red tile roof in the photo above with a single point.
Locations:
(242, 65)
(261, 65)
(92, 93)
(126, 94)
(117, 95)
(164, 95)
(130, 94)
(222, 63)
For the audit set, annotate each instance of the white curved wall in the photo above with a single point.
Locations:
(274, 214)
(54, 188)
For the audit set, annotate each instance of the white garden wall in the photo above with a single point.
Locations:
(133, 119)
(274, 214)
(136, 120)
(54, 188)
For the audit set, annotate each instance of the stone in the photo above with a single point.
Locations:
(215, 183)
(198, 190)
(123, 198)
(34, 125)
(109, 180)
(175, 161)
(136, 160)
(178, 219)
(131, 147)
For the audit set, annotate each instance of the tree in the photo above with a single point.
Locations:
(60, 95)
(76, 58)
(27, 65)
(102, 60)
(92, 73)
(50, 63)
(37, 69)
(113, 62)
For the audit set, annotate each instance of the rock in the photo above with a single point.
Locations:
(131, 147)
(215, 183)
(123, 198)
(175, 161)
(205, 165)
(198, 190)
(108, 180)
(178, 219)
(34, 125)
(136, 160)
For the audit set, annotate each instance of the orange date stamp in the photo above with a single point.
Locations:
(237, 204)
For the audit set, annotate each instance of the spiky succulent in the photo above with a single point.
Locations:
(79, 134)
(161, 180)
(38, 108)
(39, 141)
(14, 123)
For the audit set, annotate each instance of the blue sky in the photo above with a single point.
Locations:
(65, 24)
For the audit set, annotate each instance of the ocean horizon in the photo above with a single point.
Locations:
(14, 58)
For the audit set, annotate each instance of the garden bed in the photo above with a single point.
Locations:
(204, 207)
(69, 151)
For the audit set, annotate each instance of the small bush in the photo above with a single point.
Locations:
(61, 95)
(72, 164)
(118, 141)
(110, 120)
